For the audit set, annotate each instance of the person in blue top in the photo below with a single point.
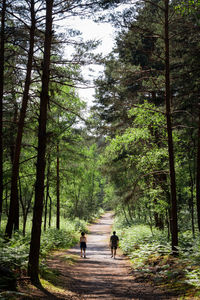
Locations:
(114, 242)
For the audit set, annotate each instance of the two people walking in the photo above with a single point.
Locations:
(114, 242)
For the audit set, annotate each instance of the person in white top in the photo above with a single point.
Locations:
(83, 244)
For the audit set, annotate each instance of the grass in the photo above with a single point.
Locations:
(70, 259)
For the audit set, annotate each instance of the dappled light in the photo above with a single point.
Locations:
(99, 149)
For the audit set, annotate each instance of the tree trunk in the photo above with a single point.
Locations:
(168, 224)
(191, 200)
(58, 189)
(47, 194)
(50, 207)
(124, 211)
(3, 12)
(15, 167)
(6, 198)
(45, 207)
(198, 176)
(33, 264)
(25, 207)
(169, 132)
(130, 212)
(24, 211)
(14, 212)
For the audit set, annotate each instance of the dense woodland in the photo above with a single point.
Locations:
(137, 150)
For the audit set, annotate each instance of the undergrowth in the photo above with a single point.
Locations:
(15, 252)
(150, 254)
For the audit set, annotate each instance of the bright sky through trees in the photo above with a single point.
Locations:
(96, 31)
(103, 32)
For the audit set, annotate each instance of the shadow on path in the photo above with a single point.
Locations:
(99, 276)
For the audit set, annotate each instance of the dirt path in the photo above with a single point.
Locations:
(98, 276)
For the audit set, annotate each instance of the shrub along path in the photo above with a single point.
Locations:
(98, 276)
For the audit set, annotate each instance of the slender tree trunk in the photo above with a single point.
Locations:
(15, 167)
(169, 132)
(23, 208)
(50, 207)
(47, 194)
(13, 126)
(124, 211)
(198, 176)
(191, 201)
(6, 198)
(150, 218)
(91, 194)
(45, 207)
(168, 224)
(33, 264)
(58, 189)
(2, 45)
(130, 212)
(15, 211)
(22, 205)
(191, 208)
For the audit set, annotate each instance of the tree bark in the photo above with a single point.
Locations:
(15, 167)
(45, 207)
(47, 194)
(33, 264)
(50, 207)
(169, 133)
(25, 206)
(3, 12)
(191, 199)
(198, 176)
(58, 189)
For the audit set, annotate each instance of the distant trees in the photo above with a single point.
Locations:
(146, 113)
(13, 217)
(40, 84)
(24, 52)
(151, 62)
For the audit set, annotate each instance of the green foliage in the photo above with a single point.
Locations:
(139, 243)
(14, 253)
(83, 190)
(137, 161)
(193, 277)
(80, 225)
(56, 239)
(188, 6)
(150, 254)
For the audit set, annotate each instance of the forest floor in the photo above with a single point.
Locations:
(98, 276)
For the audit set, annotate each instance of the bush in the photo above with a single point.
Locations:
(150, 253)
(54, 239)
(80, 225)
(15, 252)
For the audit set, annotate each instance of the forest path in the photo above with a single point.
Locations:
(99, 276)
(96, 277)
